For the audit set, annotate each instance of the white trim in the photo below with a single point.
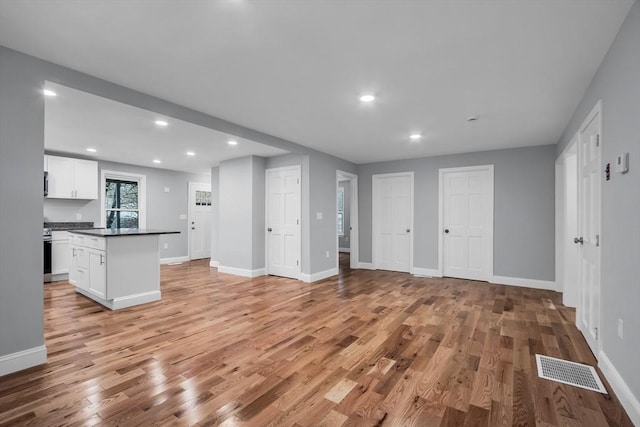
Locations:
(142, 194)
(354, 233)
(175, 259)
(242, 271)
(374, 188)
(528, 283)
(214, 264)
(298, 169)
(366, 265)
(24, 359)
(490, 221)
(309, 278)
(122, 302)
(426, 272)
(629, 402)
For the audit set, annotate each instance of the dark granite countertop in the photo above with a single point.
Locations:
(66, 226)
(119, 232)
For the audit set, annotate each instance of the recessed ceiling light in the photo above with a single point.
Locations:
(415, 136)
(91, 150)
(161, 123)
(367, 98)
(232, 142)
(472, 118)
(157, 161)
(190, 153)
(49, 92)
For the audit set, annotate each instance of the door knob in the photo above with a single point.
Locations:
(408, 230)
(446, 231)
(193, 228)
(578, 240)
(269, 229)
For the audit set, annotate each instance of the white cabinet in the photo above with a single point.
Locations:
(72, 178)
(60, 254)
(98, 273)
(79, 268)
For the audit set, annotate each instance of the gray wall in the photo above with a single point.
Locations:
(21, 151)
(524, 203)
(343, 241)
(617, 84)
(241, 213)
(215, 214)
(163, 209)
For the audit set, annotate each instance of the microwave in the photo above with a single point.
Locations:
(46, 183)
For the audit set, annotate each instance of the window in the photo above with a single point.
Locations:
(123, 200)
(340, 211)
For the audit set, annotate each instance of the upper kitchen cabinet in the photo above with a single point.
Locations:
(72, 178)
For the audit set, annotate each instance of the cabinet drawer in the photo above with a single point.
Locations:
(79, 277)
(59, 235)
(88, 241)
(80, 257)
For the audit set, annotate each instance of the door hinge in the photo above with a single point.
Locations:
(596, 138)
(597, 240)
(297, 180)
(596, 331)
(297, 222)
(297, 263)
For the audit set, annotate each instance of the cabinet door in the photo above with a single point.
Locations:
(60, 256)
(60, 177)
(85, 179)
(79, 267)
(98, 273)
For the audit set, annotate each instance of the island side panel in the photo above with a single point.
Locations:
(133, 265)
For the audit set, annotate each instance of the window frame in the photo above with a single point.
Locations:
(142, 194)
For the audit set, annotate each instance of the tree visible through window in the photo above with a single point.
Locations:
(121, 204)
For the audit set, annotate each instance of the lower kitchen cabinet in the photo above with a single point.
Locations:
(117, 272)
(98, 273)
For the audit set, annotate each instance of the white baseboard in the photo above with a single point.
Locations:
(24, 359)
(529, 283)
(426, 272)
(348, 250)
(241, 271)
(309, 278)
(122, 302)
(215, 264)
(629, 402)
(174, 260)
(366, 265)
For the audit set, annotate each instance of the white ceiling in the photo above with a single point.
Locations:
(75, 121)
(295, 69)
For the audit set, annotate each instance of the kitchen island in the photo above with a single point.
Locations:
(117, 268)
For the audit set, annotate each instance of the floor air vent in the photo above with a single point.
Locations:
(575, 374)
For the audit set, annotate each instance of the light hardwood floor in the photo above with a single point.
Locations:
(364, 348)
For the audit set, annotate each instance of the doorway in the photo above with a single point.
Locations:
(283, 222)
(393, 222)
(567, 224)
(199, 220)
(466, 222)
(347, 235)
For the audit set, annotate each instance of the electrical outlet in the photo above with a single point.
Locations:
(166, 246)
(620, 328)
(326, 254)
(167, 189)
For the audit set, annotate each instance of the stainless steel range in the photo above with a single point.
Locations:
(46, 237)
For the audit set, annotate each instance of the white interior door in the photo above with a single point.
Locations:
(283, 222)
(567, 225)
(393, 222)
(467, 222)
(199, 220)
(354, 232)
(590, 146)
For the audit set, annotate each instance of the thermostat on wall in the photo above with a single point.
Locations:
(622, 163)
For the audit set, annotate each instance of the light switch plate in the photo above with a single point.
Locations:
(318, 215)
(183, 216)
(622, 163)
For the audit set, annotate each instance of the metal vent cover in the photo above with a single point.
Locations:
(571, 373)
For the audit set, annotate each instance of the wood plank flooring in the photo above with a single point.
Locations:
(369, 348)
